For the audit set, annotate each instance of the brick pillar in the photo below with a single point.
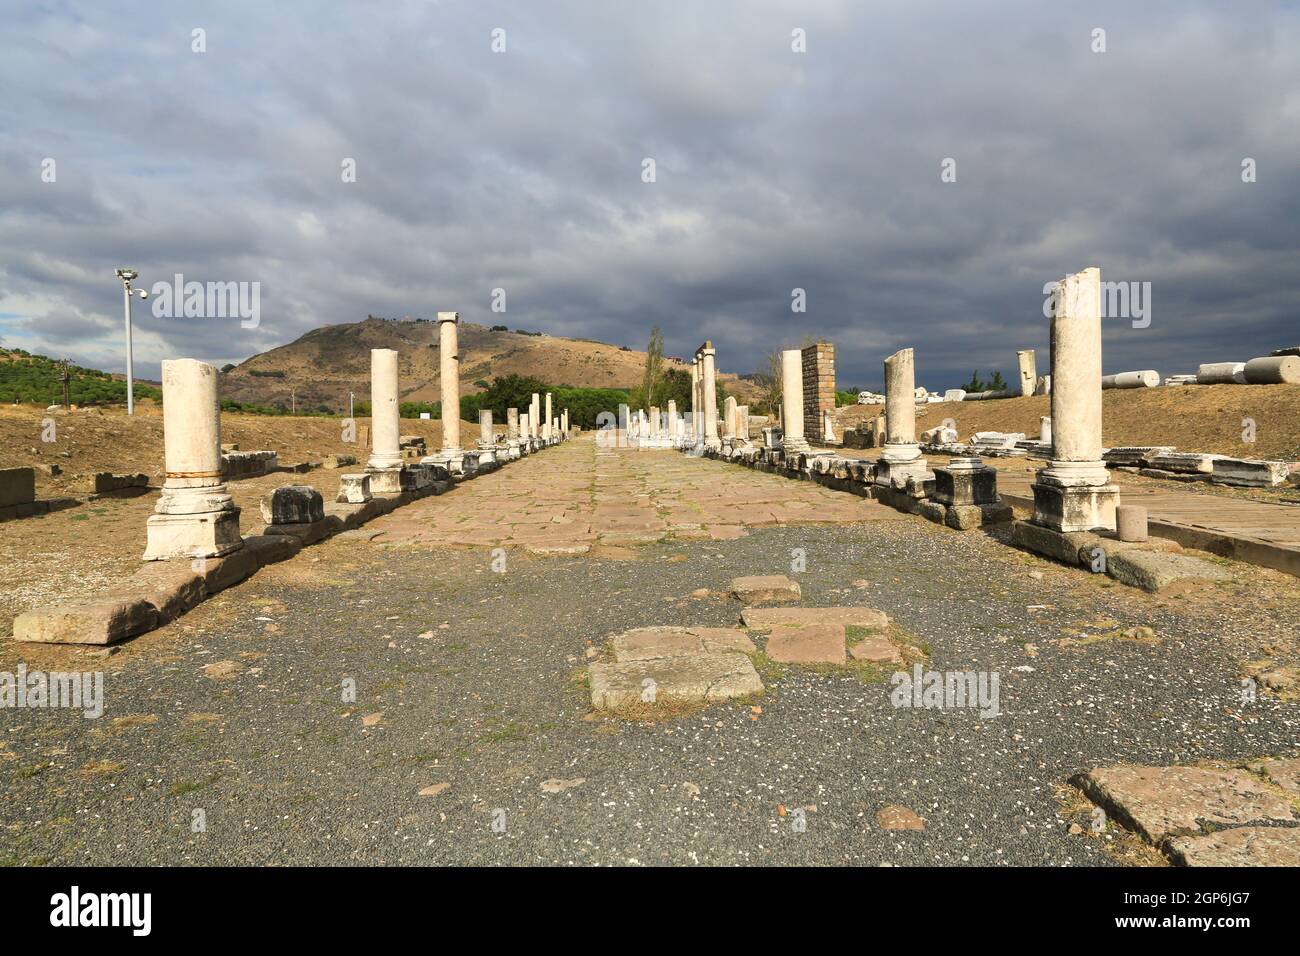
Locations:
(818, 388)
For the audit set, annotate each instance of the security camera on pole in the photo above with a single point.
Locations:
(126, 275)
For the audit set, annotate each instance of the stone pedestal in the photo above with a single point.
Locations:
(354, 489)
(195, 517)
(965, 496)
(792, 435)
(385, 463)
(1074, 493)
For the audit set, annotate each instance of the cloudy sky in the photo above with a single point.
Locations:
(774, 170)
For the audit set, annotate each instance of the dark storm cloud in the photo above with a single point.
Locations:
(776, 170)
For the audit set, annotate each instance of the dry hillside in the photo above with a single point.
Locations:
(1200, 418)
(327, 363)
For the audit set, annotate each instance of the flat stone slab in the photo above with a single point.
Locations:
(648, 643)
(1284, 773)
(1240, 846)
(876, 649)
(1156, 570)
(101, 622)
(1160, 802)
(807, 644)
(703, 678)
(765, 589)
(765, 618)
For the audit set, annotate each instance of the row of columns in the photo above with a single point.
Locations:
(196, 517)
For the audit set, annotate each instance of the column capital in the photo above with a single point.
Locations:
(448, 317)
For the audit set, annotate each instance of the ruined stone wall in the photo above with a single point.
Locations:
(818, 388)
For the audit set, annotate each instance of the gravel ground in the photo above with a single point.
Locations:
(475, 677)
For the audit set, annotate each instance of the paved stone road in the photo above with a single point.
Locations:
(235, 715)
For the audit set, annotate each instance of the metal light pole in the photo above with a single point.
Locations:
(126, 275)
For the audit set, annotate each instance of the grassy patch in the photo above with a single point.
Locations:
(189, 786)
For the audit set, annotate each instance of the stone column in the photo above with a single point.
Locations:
(1028, 371)
(449, 372)
(548, 433)
(672, 420)
(697, 432)
(900, 458)
(729, 418)
(535, 416)
(792, 440)
(742, 423)
(1074, 493)
(512, 423)
(525, 429)
(485, 433)
(194, 516)
(709, 388)
(564, 423)
(385, 463)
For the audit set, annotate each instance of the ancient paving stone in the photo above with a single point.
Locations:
(102, 622)
(765, 589)
(1285, 773)
(876, 649)
(709, 677)
(807, 644)
(172, 587)
(894, 817)
(1240, 846)
(763, 618)
(1159, 802)
(647, 643)
(1154, 570)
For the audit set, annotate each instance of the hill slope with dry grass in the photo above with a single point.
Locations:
(324, 365)
(1199, 418)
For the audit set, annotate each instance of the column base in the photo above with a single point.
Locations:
(1074, 507)
(891, 473)
(208, 535)
(386, 482)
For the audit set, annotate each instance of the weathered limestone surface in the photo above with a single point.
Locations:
(100, 622)
(1249, 472)
(1154, 570)
(1147, 378)
(707, 677)
(1239, 846)
(809, 644)
(172, 587)
(765, 589)
(1273, 370)
(765, 618)
(1026, 360)
(1221, 373)
(648, 643)
(293, 504)
(1160, 802)
(354, 488)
